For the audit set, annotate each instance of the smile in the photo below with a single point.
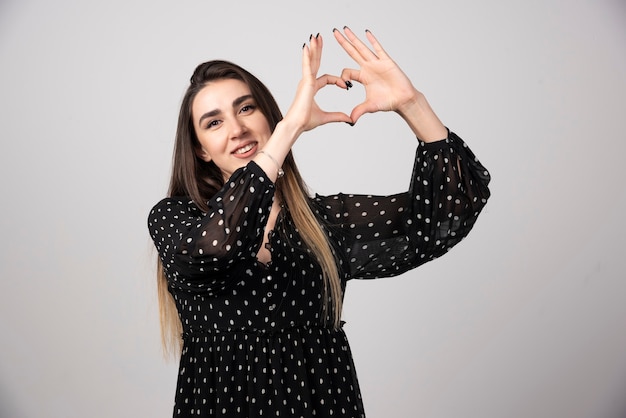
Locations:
(245, 148)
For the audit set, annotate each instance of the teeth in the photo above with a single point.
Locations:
(245, 149)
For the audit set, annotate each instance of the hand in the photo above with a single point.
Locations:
(304, 112)
(387, 88)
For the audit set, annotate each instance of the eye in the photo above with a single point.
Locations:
(212, 124)
(247, 108)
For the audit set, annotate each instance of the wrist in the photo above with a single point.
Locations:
(422, 119)
(412, 103)
(287, 130)
(276, 149)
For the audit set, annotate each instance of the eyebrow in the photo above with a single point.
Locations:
(238, 101)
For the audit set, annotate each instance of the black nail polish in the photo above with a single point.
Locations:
(345, 27)
(310, 37)
(317, 36)
(350, 123)
(335, 29)
(348, 84)
(303, 45)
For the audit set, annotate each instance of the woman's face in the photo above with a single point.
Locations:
(229, 125)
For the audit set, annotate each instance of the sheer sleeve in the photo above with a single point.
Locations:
(200, 251)
(384, 236)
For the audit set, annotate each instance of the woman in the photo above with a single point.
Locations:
(257, 269)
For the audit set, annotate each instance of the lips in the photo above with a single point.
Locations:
(245, 150)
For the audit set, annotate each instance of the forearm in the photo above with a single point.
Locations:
(422, 119)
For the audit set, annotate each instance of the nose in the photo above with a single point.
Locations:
(237, 128)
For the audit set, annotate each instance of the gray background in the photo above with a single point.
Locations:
(525, 318)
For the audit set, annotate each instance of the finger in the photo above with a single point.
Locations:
(361, 109)
(330, 117)
(328, 79)
(351, 74)
(306, 61)
(348, 47)
(362, 49)
(316, 43)
(378, 49)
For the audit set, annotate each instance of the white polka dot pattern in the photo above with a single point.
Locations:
(255, 343)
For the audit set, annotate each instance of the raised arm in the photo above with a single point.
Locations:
(385, 236)
(304, 113)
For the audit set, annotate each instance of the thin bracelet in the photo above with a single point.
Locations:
(280, 169)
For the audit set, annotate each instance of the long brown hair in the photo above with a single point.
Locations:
(200, 180)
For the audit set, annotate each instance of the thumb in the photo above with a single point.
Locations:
(329, 117)
(359, 110)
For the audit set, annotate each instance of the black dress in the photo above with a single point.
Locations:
(255, 339)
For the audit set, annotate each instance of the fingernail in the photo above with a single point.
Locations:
(367, 30)
(335, 29)
(310, 37)
(317, 36)
(350, 123)
(348, 84)
(345, 27)
(303, 45)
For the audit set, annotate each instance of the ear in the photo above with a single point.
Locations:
(202, 154)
